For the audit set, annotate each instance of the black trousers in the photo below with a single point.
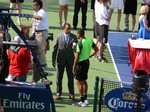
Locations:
(60, 71)
(83, 6)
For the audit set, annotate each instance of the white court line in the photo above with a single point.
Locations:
(115, 66)
(114, 62)
(122, 32)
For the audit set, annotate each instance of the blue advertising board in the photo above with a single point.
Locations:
(124, 100)
(21, 98)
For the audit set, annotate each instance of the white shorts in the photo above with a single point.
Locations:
(63, 2)
(117, 4)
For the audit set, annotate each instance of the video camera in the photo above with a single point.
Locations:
(50, 37)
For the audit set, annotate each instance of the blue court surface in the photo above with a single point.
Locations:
(119, 52)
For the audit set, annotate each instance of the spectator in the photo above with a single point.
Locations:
(147, 2)
(144, 31)
(80, 4)
(92, 7)
(116, 4)
(18, 4)
(63, 8)
(101, 27)
(45, 4)
(132, 10)
(40, 29)
(40, 25)
(81, 65)
(62, 57)
(20, 60)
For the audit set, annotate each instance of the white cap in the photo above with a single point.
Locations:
(17, 38)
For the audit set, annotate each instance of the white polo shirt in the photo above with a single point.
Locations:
(40, 24)
(101, 14)
(143, 1)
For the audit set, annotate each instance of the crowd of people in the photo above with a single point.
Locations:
(70, 51)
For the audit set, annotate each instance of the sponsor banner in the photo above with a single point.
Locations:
(21, 98)
(124, 100)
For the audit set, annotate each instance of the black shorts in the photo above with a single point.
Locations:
(130, 7)
(16, 1)
(81, 71)
(101, 32)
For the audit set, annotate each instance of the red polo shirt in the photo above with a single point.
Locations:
(19, 61)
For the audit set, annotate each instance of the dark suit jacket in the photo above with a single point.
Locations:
(63, 54)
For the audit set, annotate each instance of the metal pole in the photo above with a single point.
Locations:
(139, 95)
(96, 94)
(101, 94)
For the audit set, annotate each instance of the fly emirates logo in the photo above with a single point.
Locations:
(23, 103)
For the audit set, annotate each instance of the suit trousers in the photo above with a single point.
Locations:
(40, 38)
(60, 71)
(83, 6)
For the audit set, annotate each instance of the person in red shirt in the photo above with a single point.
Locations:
(20, 60)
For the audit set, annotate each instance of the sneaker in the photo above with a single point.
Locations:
(83, 104)
(86, 101)
(80, 104)
(103, 60)
(10, 78)
(46, 81)
(99, 59)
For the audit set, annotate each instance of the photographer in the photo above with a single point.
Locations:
(40, 29)
(20, 60)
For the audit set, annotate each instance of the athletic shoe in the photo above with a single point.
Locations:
(80, 104)
(103, 60)
(10, 78)
(83, 104)
(86, 101)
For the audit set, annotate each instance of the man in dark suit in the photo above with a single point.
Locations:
(83, 5)
(63, 57)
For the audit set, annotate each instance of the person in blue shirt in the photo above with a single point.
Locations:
(144, 31)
